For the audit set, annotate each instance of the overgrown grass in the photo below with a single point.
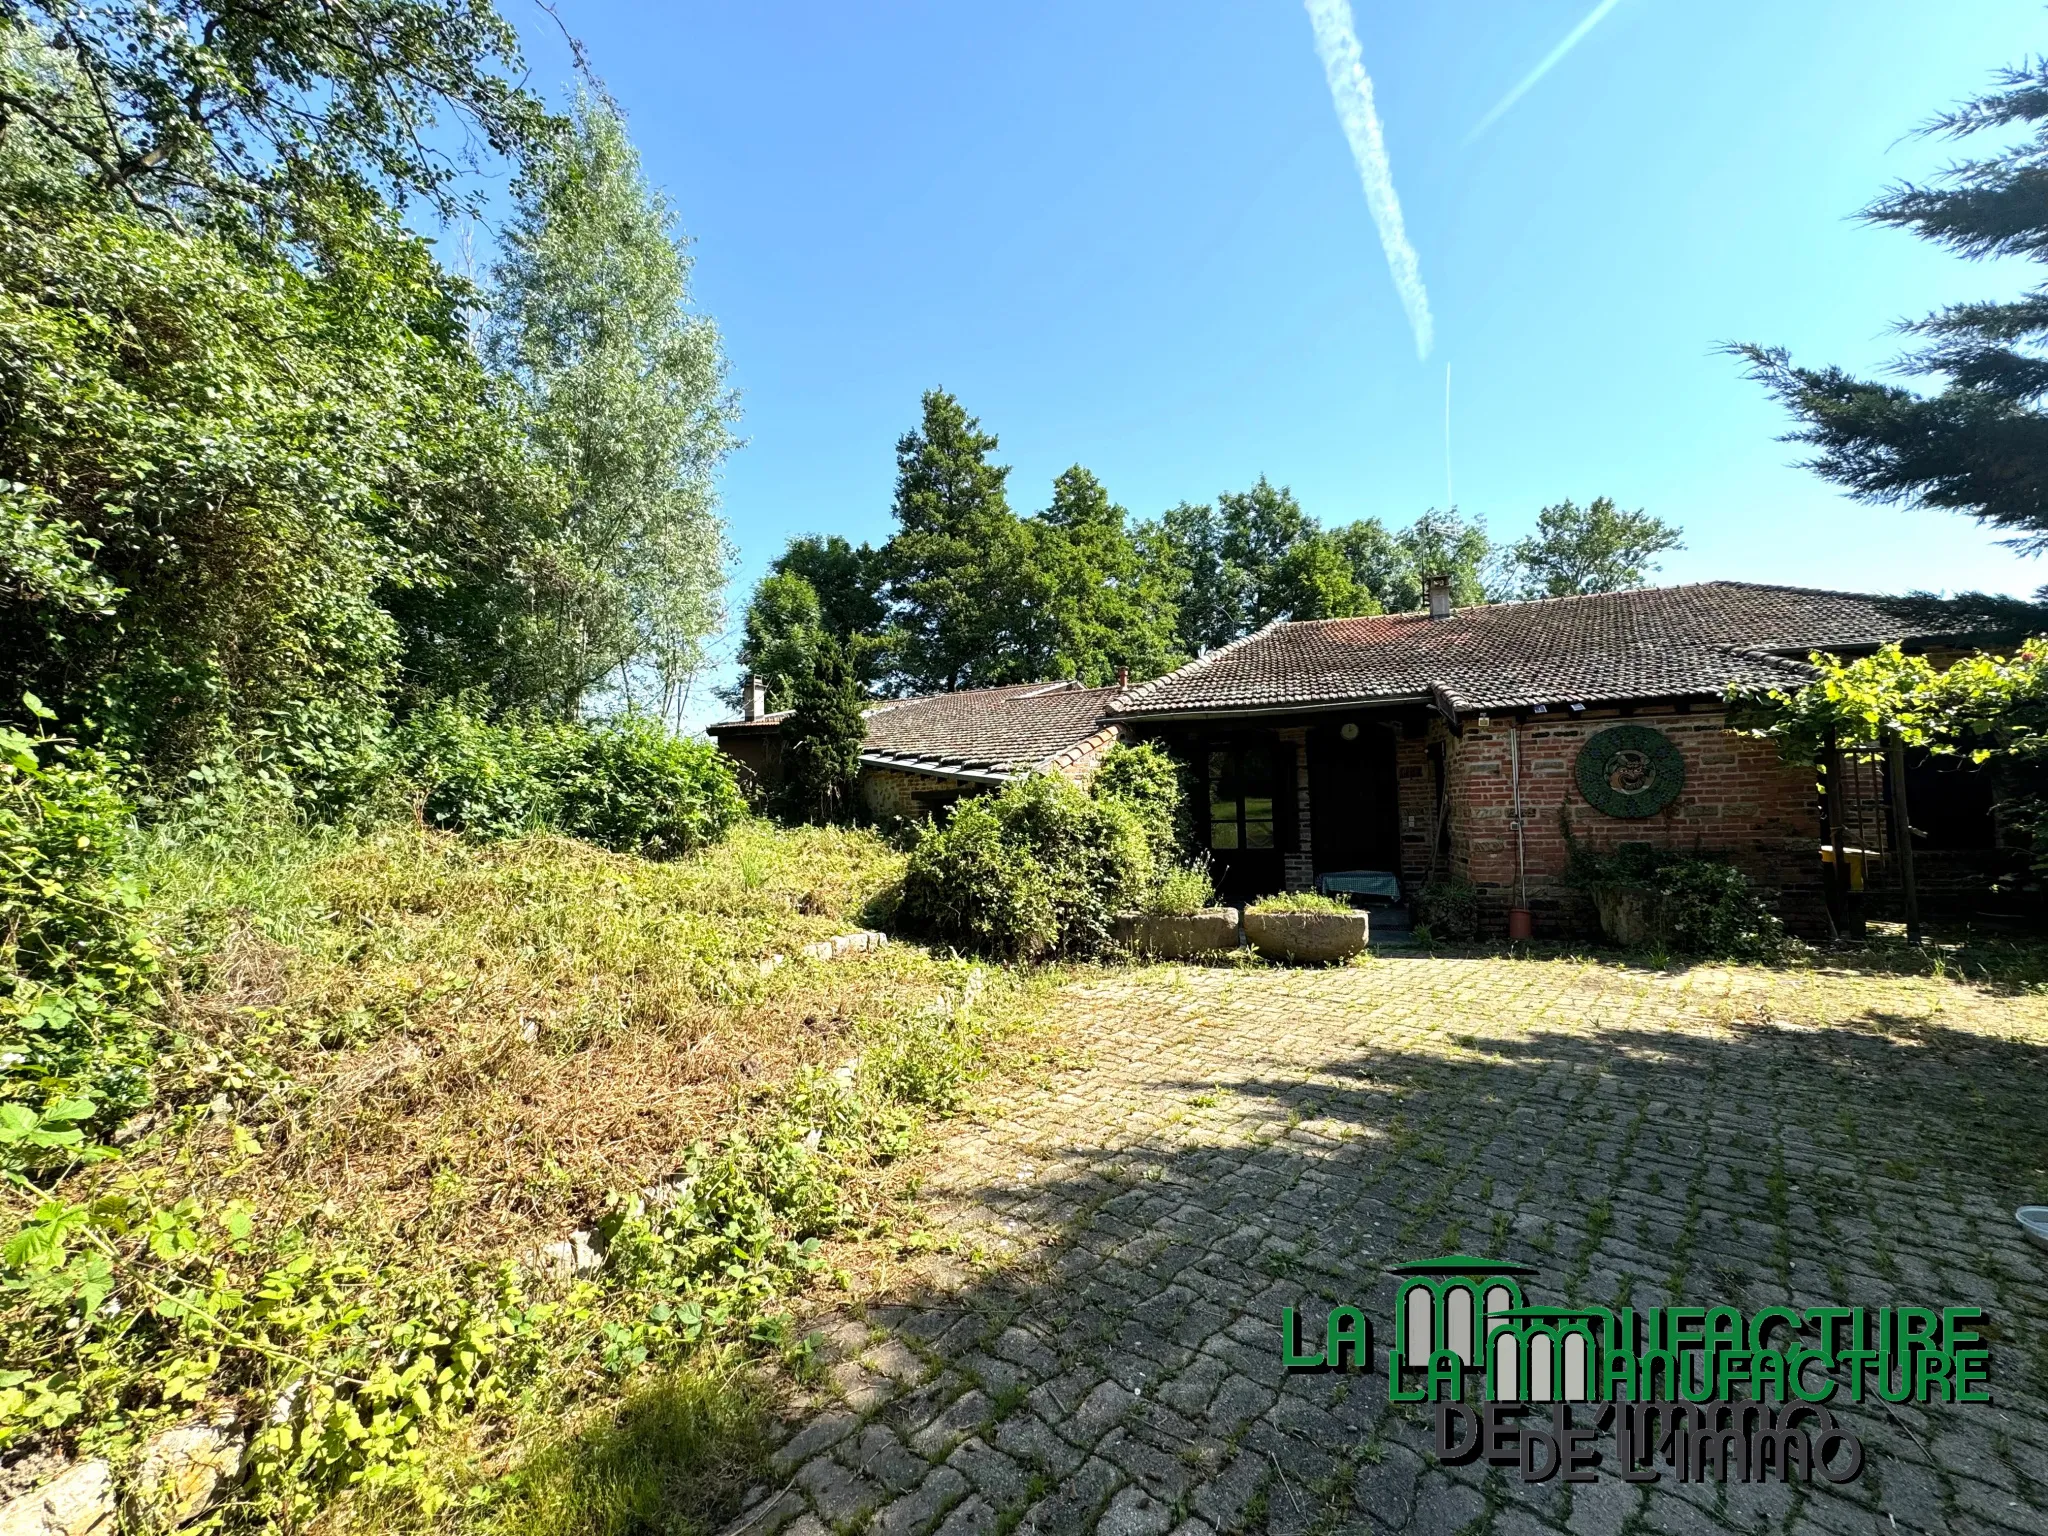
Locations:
(401, 1063)
(1300, 901)
(675, 1458)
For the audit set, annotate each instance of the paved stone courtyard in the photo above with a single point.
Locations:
(1100, 1350)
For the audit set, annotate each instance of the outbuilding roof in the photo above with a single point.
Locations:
(1650, 643)
(977, 733)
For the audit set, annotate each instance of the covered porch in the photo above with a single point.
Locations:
(1282, 799)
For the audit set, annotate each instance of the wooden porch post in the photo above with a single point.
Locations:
(1838, 868)
(1902, 825)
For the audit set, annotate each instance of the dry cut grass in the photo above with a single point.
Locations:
(467, 1047)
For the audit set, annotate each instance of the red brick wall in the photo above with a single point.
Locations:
(1739, 801)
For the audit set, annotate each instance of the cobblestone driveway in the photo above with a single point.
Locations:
(1242, 1141)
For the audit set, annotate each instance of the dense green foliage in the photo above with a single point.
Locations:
(1700, 906)
(1153, 783)
(1979, 443)
(622, 784)
(258, 490)
(1037, 870)
(221, 465)
(1985, 707)
(625, 400)
(1448, 907)
(266, 119)
(967, 593)
(77, 965)
(1595, 548)
(821, 739)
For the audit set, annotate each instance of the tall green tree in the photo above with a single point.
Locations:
(1106, 607)
(272, 118)
(1314, 580)
(963, 568)
(1978, 442)
(220, 471)
(624, 387)
(1443, 543)
(848, 579)
(1381, 564)
(1595, 548)
(1183, 547)
(821, 739)
(1260, 527)
(781, 637)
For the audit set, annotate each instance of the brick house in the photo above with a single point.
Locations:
(920, 755)
(1459, 741)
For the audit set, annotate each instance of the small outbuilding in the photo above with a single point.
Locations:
(920, 755)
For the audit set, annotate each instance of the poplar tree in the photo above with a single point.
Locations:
(624, 387)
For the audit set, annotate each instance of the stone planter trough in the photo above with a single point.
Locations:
(1628, 915)
(1176, 938)
(1313, 938)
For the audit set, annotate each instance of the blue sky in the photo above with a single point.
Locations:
(1132, 235)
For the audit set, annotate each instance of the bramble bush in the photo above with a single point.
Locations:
(1036, 870)
(75, 1049)
(623, 784)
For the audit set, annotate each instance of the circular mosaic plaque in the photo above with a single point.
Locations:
(1630, 770)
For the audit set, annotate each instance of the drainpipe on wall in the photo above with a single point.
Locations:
(1519, 925)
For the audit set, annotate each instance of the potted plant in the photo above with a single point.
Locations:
(1177, 920)
(1300, 926)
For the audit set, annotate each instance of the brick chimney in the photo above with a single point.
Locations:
(755, 697)
(1123, 678)
(1439, 589)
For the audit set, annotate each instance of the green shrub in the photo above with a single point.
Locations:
(631, 786)
(624, 784)
(1036, 870)
(1702, 906)
(1299, 901)
(1181, 890)
(1449, 908)
(1707, 908)
(75, 963)
(1146, 778)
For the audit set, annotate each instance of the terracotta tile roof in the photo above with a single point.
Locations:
(996, 731)
(1658, 642)
(978, 732)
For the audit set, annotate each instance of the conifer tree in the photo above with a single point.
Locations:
(1977, 444)
(821, 740)
(962, 568)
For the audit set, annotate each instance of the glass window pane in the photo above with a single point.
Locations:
(1258, 807)
(1222, 787)
(1223, 834)
(1258, 834)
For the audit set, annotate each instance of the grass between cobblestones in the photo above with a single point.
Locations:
(1090, 1338)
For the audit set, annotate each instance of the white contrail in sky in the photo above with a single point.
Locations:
(1571, 40)
(1351, 90)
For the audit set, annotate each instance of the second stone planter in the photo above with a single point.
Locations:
(1313, 938)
